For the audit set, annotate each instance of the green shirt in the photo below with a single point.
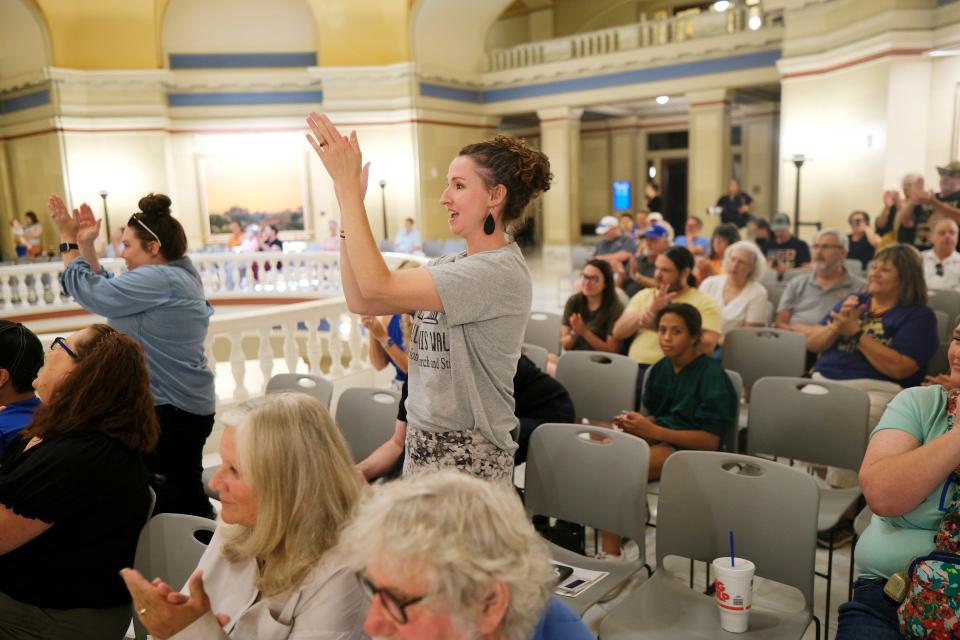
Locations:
(700, 397)
(890, 543)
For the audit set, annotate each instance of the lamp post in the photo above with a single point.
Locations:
(106, 217)
(798, 160)
(383, 206)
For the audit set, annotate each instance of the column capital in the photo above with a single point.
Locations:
(709, 98)
(559, 114)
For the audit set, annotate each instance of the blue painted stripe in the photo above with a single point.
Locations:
(450, 93)
(28, 101)
(226, 99)
(639, 76)
(242, 60)
(943, 2)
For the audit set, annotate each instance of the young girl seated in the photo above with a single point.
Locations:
(689, 397)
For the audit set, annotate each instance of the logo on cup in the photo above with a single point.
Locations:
(722, 594)
(723, 598)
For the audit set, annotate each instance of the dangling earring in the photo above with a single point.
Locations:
(489, 224)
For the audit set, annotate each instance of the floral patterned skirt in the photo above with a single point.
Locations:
(466, 451)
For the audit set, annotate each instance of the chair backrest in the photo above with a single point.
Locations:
(589, 475)
(938, 363)
(316, 386)
(454, 246)
(433, 248)
(580, 256)
(153, 502)
(812, 420)
(755, 352)
(774, 292)
(600, 384)
(854, 266)
(945, 300)
(543, 330)
(704, 495)
(943, 325)
(537, 354)
(367, 418)
(386, 245)
(169, 549)
(730, 440)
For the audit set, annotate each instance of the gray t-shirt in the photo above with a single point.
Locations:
(462, 360)
(810, 303)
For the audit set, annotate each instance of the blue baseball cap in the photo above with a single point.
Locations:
(655, 231)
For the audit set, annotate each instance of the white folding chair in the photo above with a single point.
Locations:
(704, 495)
(537, 354)
(595, 477)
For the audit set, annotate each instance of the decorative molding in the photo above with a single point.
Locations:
(235, 98)
(908, 43)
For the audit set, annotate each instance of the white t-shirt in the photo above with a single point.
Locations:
(749, 306)
(463, 360)
(948, 276)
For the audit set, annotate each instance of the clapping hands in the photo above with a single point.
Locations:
(846, 321)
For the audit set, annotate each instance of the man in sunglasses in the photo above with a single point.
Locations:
(21, 356)
(941, 263)
(446, 556)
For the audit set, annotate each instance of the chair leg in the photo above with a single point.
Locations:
(709, 590)
(649, 570)
(816, 623)
(853, 554)
(691, 573)
(826, 610)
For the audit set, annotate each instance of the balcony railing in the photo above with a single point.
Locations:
(646, 33)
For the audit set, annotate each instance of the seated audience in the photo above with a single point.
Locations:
(862, 239)
(881, 340)
(614, 247)
(941, 263)
(738, 292)
(907, 220)
(21, 356)
(272, 569)
(785, 252)
(539, 399)
(735, 205)
(655, 240)
(712, 264)
(408, 239)
(331, 242)
(809, 297)
(446, 555)
(689, 398)
(908, 468)
(761, 232)
(692, 240)
(640, 222)
(74, 491)
(589, 316)
(674, 282)
(627, 225)
(655, 217)
(388, 339)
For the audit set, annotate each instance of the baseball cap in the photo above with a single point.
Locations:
(780, 222)
(655, 231)
(20, 351)
(953, 167)
(607, 223)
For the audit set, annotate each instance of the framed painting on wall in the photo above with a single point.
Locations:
(255, 189)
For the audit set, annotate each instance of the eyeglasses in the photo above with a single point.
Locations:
(939, 269)
(60, 342)
(394, 606)
(826, 246)
(136, 218)
(590, 279)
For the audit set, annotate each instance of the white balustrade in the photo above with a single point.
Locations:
(34, 287)
(644, 33)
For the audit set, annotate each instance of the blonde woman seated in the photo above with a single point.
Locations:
(287, 486)
(738, 290)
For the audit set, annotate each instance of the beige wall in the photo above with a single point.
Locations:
(35, 172)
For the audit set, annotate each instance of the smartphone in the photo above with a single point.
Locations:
(563, 572)
(573, 585)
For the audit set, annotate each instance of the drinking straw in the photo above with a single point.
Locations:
(732, 562)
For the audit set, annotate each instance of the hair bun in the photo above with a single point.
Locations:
(155, 204)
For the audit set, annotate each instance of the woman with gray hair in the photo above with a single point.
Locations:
(271, 571)
(737, 289)
(448, 556)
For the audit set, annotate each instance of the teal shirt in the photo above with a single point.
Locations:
(700, 397)
(890, 543)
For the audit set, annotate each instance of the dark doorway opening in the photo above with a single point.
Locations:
(674, 172)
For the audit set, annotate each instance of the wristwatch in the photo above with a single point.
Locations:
(69, 246)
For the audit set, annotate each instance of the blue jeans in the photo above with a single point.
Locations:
(870, 615)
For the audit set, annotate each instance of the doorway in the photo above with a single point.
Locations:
(674, 172)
